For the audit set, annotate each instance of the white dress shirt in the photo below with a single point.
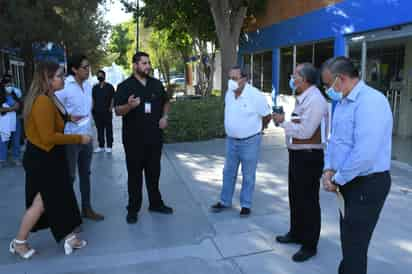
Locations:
(313, 110)
(243, 115)
(78, 102)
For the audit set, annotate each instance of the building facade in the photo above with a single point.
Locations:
(376, 34)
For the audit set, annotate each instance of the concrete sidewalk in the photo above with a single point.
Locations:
(194, 240)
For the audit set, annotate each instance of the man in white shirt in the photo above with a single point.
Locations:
(246, 113)
(77, 99)
(305, 144)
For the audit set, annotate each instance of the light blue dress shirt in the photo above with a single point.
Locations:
(361, 140)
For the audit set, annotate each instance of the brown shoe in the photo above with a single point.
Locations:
(90, 214)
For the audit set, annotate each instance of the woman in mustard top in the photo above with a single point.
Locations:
(50, 199)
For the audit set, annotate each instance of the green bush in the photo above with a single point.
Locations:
(216, 92)
(195, 120)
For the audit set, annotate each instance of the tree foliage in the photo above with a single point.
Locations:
(123, 44)
(75, 24)
(229, 16)
(190, 30)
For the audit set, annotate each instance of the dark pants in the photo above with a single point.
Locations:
(141, 158)
(364, 198)
(80, 156)
(104, 126)
(305, 170)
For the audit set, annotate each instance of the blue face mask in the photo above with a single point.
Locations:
(292, 85)
(334, 95)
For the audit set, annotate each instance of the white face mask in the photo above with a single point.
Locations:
(9, 89)
(232, 85)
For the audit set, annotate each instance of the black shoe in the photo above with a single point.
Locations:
(287, 239)
(218, 207)
(244, 212)
(131, 218)
(161, 209)
(303, 254)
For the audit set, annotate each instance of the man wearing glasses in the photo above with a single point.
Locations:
(357, 159)
(77, 99)
(305, 144)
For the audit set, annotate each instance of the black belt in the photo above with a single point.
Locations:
(306, 150)
(372, 175)
(246, 138)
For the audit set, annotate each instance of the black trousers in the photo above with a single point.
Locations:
(364, 198)
(143, 158)
(104, 126)
(305, 170)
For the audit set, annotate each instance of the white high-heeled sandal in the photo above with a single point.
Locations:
(68, 248)
(12, 249)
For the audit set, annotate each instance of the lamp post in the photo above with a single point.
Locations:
(137, 25)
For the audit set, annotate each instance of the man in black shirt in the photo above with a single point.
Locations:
(103, 93)
(144, 105)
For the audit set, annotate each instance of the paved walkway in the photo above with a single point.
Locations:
(193, 240)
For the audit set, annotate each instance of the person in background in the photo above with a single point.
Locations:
(7, 124)
(103, 93)
(50, 199)
(14, 100)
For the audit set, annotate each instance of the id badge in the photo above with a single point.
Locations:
(147, 108)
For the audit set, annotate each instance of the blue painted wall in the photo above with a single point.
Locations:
(346, 17)
(332, 22)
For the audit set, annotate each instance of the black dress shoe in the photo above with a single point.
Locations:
(287, 239)
(218, 207)
(303, 254)
(131, 218)
(244, 212)
(163, 209)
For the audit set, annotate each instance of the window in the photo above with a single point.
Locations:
(315, 53)
(304, 54)
(286, 69)
(267, 72)
(323, 51)
(257, 71)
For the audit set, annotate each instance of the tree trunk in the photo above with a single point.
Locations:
(228, 16)
(229, 59)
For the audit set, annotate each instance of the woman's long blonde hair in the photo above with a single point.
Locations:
(40, 85)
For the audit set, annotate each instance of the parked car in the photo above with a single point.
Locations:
(178, 81)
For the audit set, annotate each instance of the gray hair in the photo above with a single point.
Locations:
(309, 73)
(343, 65)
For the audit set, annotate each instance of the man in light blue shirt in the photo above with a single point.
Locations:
(357, 160)
(77, 99)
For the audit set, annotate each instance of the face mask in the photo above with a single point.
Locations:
(292, 85)
(9, 89)
(232, 85)
(334, 95)
(101, 79)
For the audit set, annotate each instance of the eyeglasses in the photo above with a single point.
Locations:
(86, 67)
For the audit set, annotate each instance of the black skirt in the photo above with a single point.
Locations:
(47, 174)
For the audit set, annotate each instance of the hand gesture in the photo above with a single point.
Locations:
(327, 181)
(133, 101)
(163, 123)
(76, 118)
(86, 139)
(278, 118)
